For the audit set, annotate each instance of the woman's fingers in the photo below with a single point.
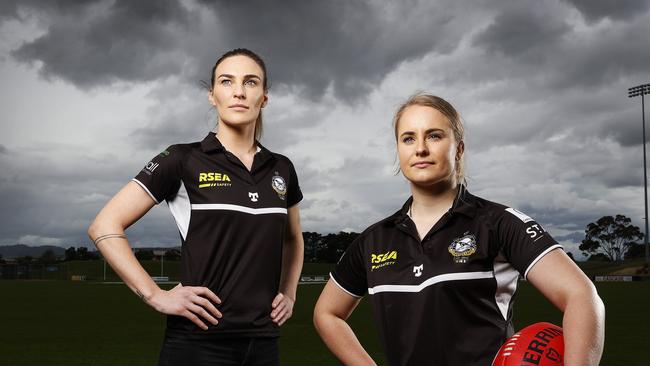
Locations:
(206, 304)
(278, 298)
(279, 314)
(195, 319)
(277, 309)
(197, 310)
(207, 293)
(195, 304)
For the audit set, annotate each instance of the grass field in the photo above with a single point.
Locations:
(85, 323)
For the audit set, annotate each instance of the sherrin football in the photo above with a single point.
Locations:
(540, 344)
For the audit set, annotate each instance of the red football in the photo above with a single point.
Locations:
(540, 344)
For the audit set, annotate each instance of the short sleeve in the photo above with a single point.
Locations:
(294, 194)
(161, 176)
(523, 240)
(350, 272)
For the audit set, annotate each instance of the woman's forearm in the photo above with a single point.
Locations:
(341, 340)
(117, 252)
(292, 259)
(584, 329)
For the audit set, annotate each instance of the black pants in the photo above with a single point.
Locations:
(180, 351)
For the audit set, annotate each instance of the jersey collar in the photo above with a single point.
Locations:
(212, 144)
(465, 203)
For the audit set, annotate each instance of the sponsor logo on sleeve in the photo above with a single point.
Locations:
(535, 231)
(214, 179)
(463, 247)
(382, 259)
(150, 167)
(279, 185)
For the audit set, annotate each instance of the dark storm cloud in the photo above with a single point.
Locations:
(349, 44)
(89, 47)
(522, 29)
(595, 10)
(310, 44)
(3, 149)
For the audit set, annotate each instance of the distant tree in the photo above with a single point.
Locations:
(94, 255)
(144, 254)
(312, 242)
(635, 251)
(71, 254)
(334, 245)
(82, 253)
(598, 257)
(173, 255)
(1, 259)
(48, 257)
(24, 260)
(610, 236)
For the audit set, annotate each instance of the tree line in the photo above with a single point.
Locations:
(610, 238)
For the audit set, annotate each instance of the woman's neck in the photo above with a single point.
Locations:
(433, 200)
(239, 141)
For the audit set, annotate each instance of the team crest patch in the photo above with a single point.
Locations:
(279, 185)
(463, 247)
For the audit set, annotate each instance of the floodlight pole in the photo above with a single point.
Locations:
(642, 90)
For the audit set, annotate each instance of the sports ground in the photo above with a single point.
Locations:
(55, 322)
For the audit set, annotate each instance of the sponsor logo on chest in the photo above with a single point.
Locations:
(381, 260)
(214, 179)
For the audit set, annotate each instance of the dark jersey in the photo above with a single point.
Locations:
(446, 299)
(232, 224)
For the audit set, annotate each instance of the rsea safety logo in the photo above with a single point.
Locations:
(383, 259)
(214, 179)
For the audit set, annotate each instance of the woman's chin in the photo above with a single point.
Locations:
(237, 121)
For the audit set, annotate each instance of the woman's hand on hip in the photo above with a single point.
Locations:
(193, 302)
(282, 308)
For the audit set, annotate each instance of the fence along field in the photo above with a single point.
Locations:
(92, 323)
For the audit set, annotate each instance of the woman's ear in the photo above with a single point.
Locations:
(266, 99)
(460, 150)
(211, 98)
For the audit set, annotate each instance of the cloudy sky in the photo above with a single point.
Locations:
(92, 90)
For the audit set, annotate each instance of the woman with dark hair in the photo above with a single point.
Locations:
(236, 207)
(442, 271)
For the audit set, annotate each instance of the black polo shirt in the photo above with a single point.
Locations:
(232, 224)
(447, 299)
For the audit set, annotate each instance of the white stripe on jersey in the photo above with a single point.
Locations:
(244, 209)
(431, 281)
